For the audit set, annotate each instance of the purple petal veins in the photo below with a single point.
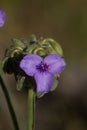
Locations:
(2, 18)
(43, 70)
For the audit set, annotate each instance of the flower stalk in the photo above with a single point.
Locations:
(31, 109)
(11, 110)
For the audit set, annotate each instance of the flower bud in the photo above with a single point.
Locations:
(12, 57)
(51, 46)
(45, 47)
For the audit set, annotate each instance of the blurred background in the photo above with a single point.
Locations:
(66, 22)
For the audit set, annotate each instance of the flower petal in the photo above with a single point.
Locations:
(44, 82)
(2, 18)
(56, 62)
(29, 62)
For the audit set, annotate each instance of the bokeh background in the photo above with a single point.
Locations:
(66, 22)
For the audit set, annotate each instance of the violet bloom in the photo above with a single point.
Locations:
(43, 70)
(2, 18)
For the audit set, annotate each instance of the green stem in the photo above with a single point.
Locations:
(31, 109)
(11, 110)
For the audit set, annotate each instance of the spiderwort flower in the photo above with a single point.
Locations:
(43, 70)
(2, 18)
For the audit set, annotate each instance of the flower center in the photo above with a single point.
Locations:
(42, 67)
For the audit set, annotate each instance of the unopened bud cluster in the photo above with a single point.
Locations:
(20, 48)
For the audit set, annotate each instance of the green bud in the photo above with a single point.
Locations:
(20, 83)
(51, 46)
(16, 48)
(45, 47)
(13, 55)
(32, 39)
(55, 82)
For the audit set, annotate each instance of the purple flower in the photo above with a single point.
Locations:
(2, 18)
(43, 70)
